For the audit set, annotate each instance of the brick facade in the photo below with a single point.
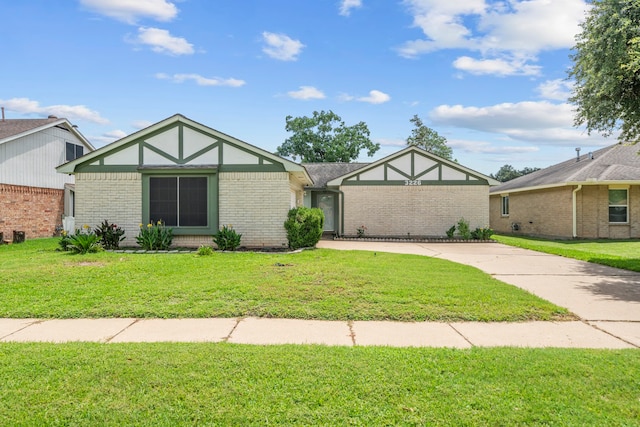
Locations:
(413, 210)
(256, 204)
(549, 213)
(116, 197)
(36, 211)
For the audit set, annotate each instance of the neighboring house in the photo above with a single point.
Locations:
(411, 193)
(193, 178)
(33, 197)
(596, 195)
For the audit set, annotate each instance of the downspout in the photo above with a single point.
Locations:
(575, 210)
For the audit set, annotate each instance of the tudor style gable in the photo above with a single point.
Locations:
(413, 166)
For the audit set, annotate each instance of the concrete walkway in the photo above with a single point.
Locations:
(606, 299)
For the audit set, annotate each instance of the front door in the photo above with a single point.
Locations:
(326, 202)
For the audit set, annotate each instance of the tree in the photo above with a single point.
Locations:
(425, 137)
(325, 138)
(606, 69)
(508, 172)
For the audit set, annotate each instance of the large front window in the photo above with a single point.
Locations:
(618, 205)
(179, 201)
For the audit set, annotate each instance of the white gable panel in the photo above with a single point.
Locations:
(375, 174)
(433, 175)
(452, 174)
(423, 163)
(128, 156)
(166, 141)
(394, 176)
(234, 156)
(402, 163)
(208, 158)
(153, 158)
(195, 141)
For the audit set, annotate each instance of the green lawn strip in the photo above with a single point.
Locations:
(615, 253)
(224, 384)
(316, 284)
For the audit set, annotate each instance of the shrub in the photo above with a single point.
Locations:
(83, 243)
(451, 232)
(65, 240)
(205, 250)
(155, 237)
(304, 227)
(227, 239)
(361, 230)
(482, 233)
(110, 235)
(463, 229)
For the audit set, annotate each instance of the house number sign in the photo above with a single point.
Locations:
(413, 182)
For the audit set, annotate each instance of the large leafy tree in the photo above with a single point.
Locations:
(606, 69)
(424, 137)
(325, 138)
(508, 172)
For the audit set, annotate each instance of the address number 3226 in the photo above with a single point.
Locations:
(413, 182)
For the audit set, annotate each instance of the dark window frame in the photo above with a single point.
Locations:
(504, 205)
(617, 210)
(72, 151)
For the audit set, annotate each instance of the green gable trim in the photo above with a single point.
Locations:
(252, 168)
(413, 183)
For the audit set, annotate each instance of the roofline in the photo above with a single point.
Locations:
(565, 184)
(72, 129)
(338, 181)
(70, 167)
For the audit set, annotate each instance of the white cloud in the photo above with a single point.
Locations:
(387, 142)
(483, 147)
(131, 11)
(347, 5)
(108, 137)
(71, 112)
(161, 41)
(499, 67)
(200, 80)
(306, 92)
(375, 97)
(141, 124)
(558, 90)
(507, 35)
(281, 46)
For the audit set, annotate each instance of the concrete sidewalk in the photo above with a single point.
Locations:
(606, 299)
(260, 331)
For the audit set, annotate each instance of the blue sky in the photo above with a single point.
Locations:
(488, 75)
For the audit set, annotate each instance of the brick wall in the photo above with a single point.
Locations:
(256, 204)
(116, 197)
(36, 211)
(417, 210)
(549, 213)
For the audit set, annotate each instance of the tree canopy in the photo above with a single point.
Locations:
(424, 137)
(325, 138)
(606, 69)
(508, 172)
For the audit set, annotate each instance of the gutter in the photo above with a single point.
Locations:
(575, 210)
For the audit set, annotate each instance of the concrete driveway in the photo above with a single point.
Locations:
(607, 298)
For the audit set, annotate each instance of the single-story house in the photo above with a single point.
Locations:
(196, 179)
(594, 195)
(411, 193)
(34, 198)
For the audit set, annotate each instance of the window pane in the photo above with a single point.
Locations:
(193, 201)
(618, 197)
(163, 200)
(79, 151)
(70, 151)
(505, 205)
(617, 214)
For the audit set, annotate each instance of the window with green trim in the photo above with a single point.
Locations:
(179, 201)
(618, 205)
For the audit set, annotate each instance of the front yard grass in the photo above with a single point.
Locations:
(87, 384)
(38, 282)
(614, 253)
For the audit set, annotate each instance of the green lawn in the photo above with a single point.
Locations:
(224, 384)
(315, 284)
(615, 253)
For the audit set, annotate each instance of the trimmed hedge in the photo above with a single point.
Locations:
(304, 227)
